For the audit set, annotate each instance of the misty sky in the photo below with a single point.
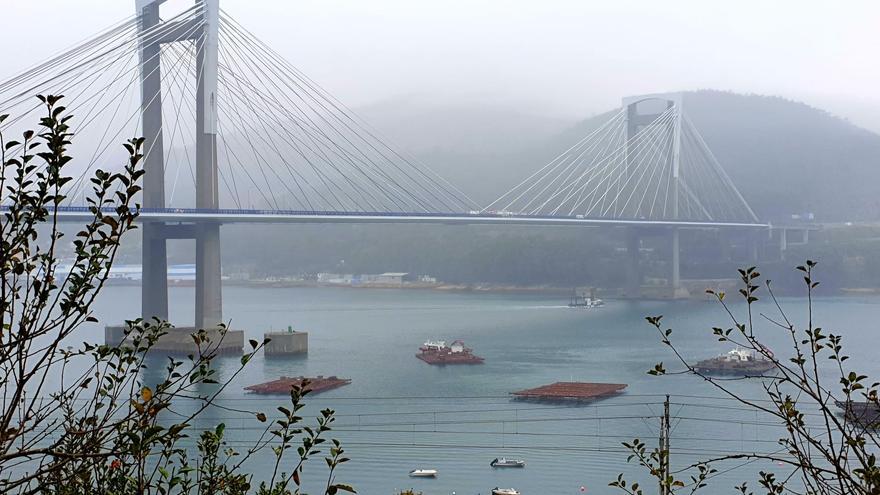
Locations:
(550, 57)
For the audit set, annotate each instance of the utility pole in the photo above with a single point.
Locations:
(665, 488)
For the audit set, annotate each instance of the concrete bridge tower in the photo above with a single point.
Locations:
(153, 34)
(641, 111)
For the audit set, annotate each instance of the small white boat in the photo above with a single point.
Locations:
(582, 300)
(503, 462)
(423, 473)
(504, 491)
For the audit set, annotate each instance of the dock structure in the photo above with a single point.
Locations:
(285, 383)
(570, 391)
(286, 343)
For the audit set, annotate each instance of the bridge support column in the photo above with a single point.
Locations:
(754, 246)
(208, 276)
(675, 276)
(209, 299)
(724, 245)
(783, 243)
(154, 258)
(154, 270)
(677, 291)
(633, 287)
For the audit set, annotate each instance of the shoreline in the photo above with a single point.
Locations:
(289, 284)
(485, 288)
(482, 288)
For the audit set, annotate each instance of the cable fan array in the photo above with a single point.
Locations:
(607, 175)
(283, 142)
(100, 81)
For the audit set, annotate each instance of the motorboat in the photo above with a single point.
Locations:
(503, 462)
(504, 491)
(582, 300)
(423, 473)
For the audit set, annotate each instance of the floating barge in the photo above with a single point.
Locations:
(738, 361)
(570, 391)
(437, 352)
(285, 383)
(863, 413)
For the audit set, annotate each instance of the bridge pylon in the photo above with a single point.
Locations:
(642, 111)
(153, 34)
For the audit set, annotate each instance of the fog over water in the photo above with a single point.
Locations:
(768, 156)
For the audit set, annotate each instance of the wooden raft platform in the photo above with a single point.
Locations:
(570, 391)
(285, 383)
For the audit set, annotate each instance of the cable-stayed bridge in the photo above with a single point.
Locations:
(650, 166)
(236, 134)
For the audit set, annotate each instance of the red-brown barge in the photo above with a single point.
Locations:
(437, 352)
(285, 383)
(570, 391)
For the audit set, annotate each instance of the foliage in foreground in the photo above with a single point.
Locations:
(83, 420)
(820, 451)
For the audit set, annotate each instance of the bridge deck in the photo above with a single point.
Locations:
(229, 216)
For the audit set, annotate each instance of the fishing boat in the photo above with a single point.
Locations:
(504, 491)
(437, 352)
(582, 300)
(423, 473)
(503, 462)
(738, 361)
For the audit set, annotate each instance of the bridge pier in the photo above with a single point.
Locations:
(633, 287)
(154, 273)
(154, 289)
(154, 257)
(209, 302)
(209, 299)
(677, 291)
(754, 247)
(675, 276)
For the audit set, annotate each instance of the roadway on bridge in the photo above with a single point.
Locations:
(230, 216)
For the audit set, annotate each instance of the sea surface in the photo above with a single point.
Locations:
(400, 413)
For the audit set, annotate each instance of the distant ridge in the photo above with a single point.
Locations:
(786, 157)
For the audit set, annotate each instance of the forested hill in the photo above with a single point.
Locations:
(786, 157)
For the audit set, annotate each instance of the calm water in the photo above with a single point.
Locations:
(400, 413)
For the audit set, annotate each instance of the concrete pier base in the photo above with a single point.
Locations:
(178, 341)
(286, 343)
(633, 271)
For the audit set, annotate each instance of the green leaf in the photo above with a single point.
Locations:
(345, 487)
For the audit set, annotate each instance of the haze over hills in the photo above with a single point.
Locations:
(468, 142)
(780, 153)
(786, 157)
(468, 127)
